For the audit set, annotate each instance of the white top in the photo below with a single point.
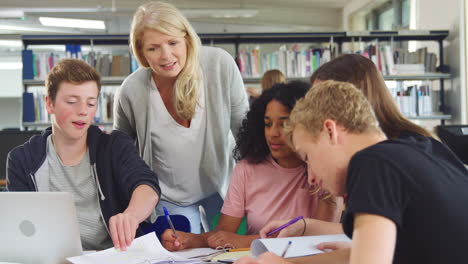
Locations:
(177, 151)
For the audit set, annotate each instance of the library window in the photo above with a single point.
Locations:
(388, 17)
(386, 20)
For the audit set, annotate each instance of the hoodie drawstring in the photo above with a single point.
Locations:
(97, 182)
(34, 181)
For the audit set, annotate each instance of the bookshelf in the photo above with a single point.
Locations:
(408, 77)
(334, 40)
(111, 80)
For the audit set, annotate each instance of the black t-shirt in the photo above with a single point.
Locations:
(421, 186)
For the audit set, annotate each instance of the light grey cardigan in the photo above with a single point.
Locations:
(226, 106)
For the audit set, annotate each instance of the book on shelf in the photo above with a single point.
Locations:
(292, 61)
(105, 106)
(301, 63)
(421, 56)
(414, 100)
(105, 65)
(27, 57)
(398, 61)
(29, 114)
(120, 65)
(37, 64)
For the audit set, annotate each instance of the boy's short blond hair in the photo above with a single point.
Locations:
(338, 101)
(74, 71)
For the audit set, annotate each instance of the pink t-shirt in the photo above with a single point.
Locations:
(266, 191)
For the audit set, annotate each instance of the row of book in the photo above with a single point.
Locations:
(34, 105)
(294, 62)
(397, 61)
(414, 100)
(291, 61)
(37, 64)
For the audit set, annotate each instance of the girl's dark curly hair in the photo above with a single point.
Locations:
(251, 142)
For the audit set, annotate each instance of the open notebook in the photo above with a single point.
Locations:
(144, 250)
(301, 246)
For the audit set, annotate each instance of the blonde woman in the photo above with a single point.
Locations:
(182, 106)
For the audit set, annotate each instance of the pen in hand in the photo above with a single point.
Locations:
(168, 218)
(286, 249)
(285, 225)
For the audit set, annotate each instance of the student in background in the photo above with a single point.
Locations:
(403, 195)
(182, 107)
(270, 78)
(269, 181)
(114, 190)
(361, 72)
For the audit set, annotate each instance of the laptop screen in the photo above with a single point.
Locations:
(38, 227)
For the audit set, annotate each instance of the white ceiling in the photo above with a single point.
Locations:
(273, 15)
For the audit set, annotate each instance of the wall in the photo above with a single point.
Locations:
(452, 19)
(464, 57)
(10, 91)
(10, 109)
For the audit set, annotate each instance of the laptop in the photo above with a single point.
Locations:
(38, 227)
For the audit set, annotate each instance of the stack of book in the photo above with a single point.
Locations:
(399, 61)
(414, 100)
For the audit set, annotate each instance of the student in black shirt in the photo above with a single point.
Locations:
(405, 197)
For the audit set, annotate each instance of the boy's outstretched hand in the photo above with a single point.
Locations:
(122, 228)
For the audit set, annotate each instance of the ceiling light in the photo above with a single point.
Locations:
(20, 28)
(11, 65)
(11, 13)
(11, 43)
(72, 23)
(219, 13)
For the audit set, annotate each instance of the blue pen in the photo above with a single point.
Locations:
(286, 249)
(170, 222)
